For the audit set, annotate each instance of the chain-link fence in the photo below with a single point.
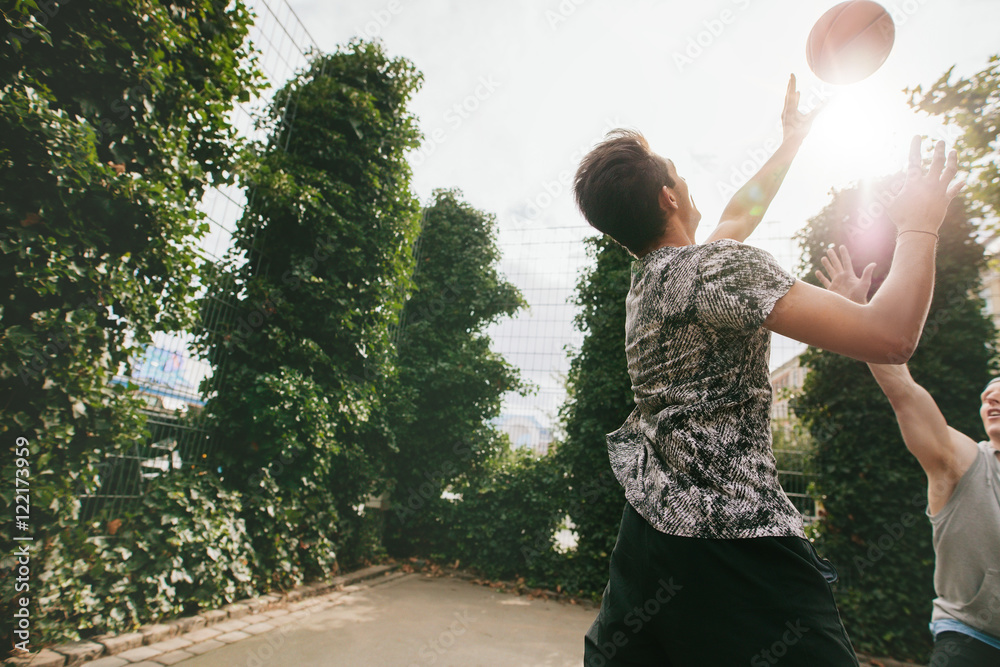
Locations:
(169, 376)
(544, 262)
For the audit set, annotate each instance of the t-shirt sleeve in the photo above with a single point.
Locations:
(738, 285)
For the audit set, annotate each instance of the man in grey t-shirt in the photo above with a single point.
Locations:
(963, 498)
(711, 566)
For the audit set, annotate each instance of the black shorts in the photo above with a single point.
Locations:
(954, 649)
(690, 602)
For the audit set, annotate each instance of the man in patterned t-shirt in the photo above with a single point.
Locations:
(711, 566)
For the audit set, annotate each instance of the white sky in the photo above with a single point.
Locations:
(538, 81)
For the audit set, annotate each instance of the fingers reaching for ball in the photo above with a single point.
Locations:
(924, 198)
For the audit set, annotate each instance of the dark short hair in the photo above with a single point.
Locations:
(617, 188)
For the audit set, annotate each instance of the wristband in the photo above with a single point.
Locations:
(918, 231)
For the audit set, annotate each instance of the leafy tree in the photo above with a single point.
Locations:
(874, 491)
(300, 422)
(600, 399)
(450, 384)
(114, 120)
(972, 104)
(505, 521)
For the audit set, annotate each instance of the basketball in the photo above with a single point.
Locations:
(850, 41)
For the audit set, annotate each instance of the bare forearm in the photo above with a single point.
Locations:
(894, 380)
(899, 308)
(890, 326)
(748, 205)
(939, 448)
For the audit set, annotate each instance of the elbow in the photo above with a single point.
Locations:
(890, 340)
(897, 349)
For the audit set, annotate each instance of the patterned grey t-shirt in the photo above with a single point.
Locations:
(695, 455)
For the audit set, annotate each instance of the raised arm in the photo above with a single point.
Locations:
(887, 329)
(747, 207)
(944, 453)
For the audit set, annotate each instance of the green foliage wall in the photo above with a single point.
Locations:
(971, 105)
(181, 551)
(450, 383)
(300, 423)
(600, 399)
(114, 120)
(505, 521)
(874, 491)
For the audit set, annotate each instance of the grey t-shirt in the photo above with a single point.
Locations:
(695, 455)
(966, 537)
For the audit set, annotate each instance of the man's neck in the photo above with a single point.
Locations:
(675, 237)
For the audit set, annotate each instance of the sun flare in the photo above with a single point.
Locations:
(865, 132)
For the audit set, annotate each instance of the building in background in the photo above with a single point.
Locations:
(166, 379)
(786, 380)
(525, 431)
(990, 293)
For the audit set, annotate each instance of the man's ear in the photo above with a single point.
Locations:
(668, 200)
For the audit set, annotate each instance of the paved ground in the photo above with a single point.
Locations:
(411, 620)
(398, 620)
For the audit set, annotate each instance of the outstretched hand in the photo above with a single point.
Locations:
(842, 278)
(924, 198)
(795, 125)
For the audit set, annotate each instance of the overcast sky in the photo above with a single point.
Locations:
(515, 91)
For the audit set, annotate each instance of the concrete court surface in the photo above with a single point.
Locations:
(417, 621)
